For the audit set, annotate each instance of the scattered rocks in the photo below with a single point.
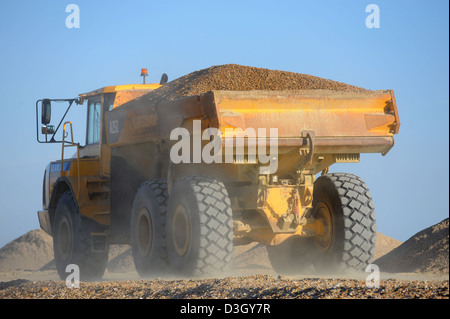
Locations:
(246, 287)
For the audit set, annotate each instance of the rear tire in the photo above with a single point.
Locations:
(72, 244)
(199, 227)
(147, 232)
(343, 202)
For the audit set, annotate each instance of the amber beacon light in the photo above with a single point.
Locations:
(144, 73)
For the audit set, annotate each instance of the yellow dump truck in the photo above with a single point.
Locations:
(184, 181)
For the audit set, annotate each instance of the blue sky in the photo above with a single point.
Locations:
(409, 53)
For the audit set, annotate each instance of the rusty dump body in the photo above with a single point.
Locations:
(183, 180)
(315, 129)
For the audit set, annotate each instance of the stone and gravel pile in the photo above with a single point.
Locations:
(30, 251)
(425, 252)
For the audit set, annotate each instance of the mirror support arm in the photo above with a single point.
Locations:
(62, 119)
(52, 140)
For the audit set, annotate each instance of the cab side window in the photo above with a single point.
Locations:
(94, 120)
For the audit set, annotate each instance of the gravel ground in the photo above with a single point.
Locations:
(242, 287)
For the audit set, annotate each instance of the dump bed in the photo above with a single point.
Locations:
(340, 122)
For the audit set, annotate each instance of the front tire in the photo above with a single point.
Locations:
(72, 244)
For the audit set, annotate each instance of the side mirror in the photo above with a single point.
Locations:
(46, 111)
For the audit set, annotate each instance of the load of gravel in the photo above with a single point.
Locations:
(233, 77)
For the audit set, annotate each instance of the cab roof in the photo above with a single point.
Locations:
(117, 88)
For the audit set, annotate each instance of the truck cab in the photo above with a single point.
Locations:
(86, 174)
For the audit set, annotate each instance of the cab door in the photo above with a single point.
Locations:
(96, 131)
(94, 201)
(105, 150)
(93, 128)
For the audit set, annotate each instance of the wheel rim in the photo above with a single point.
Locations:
(144, 232)
(323, 214)
(180, 230)
(64, 238)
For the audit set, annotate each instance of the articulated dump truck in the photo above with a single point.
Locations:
(183, 181)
